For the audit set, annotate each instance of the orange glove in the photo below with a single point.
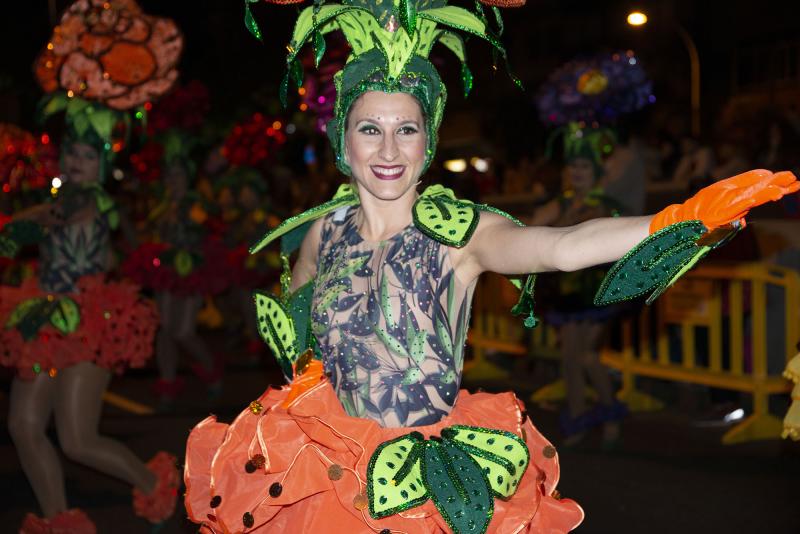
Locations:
(728, 200)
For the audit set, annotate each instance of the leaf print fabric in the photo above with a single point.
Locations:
(72, 251)
(390, 319)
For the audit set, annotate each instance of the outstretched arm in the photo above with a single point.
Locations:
(501, 246)
(498, 245)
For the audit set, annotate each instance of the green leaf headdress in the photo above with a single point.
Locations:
(91, 123)
(581, 141)
(390, 44)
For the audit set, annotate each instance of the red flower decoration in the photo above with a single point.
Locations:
(146, 163)
(26, 162)
(185, 107)
(254, 141)
(111, 52)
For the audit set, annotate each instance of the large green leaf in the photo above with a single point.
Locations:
(250, 21)
(312, 18)
(344, 197)
(102, 121)
(22, 309)
(394, 480)
(299, 306)
(66, 316)
(653, 264)
(456, 17)
(455, 43)
(502, 456)
(76, 105)
(457, 486)
(319, 47)
(58, 102)
(276, 328)
(358, 27)
(407, 10)
(445, 220)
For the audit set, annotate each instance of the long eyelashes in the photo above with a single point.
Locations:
(369, 129)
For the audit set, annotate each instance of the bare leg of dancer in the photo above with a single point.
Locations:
(31, 404)
(78, 403)
(184, 321)
(166, 347)
(591, 335)
(574, 381)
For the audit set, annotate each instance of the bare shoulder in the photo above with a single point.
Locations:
(467, 260)
(305, 268)
(490, 225)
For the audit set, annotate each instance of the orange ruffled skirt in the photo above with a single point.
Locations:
(230, 469)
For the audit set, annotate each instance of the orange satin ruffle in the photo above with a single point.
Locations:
(298, 444)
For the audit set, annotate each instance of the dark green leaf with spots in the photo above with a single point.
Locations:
(458, 487)
(654, 264)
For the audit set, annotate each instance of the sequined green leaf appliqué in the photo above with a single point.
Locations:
(8, 247)
(394, 479)
(457, 486)
(23, 309)
(446, 220)
(66, 316)
(502, 456)
(277, 329)
(345, 196)
(653, 264)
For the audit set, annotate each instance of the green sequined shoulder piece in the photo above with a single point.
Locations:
(451, 221)
(345, 196)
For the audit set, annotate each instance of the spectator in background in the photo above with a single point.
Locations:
(732, 160)
(695, 165)
(625, 175)
(781, 145)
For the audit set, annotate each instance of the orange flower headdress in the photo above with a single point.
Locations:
(105, 58)
(112, 53)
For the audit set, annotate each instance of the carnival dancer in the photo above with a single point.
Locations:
(246, 209)
(373, 435)
(66, 332)
(180, 259)
(570, 307)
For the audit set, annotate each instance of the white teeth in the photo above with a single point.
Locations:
(388, 173)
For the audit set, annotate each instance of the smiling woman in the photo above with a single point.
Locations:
(373, 433)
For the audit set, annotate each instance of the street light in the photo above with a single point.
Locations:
(638, 18)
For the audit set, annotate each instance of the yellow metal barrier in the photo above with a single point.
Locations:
(697, 301)
(126, 404)
(493, 327)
